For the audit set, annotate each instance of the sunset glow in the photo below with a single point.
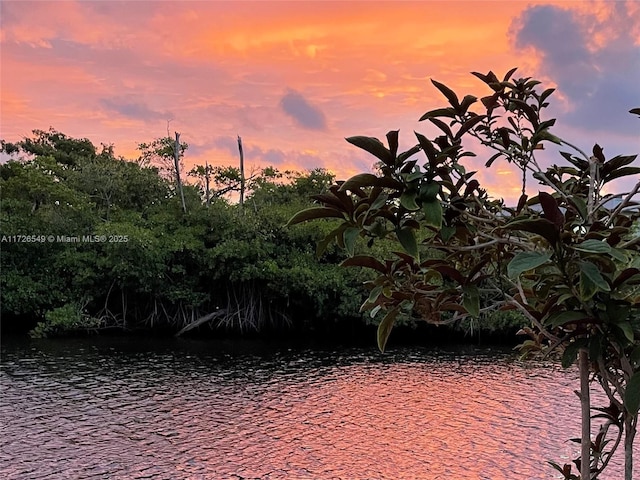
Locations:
(295, 78)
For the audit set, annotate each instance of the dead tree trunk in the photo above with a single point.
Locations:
(176, 157)
(241, 173)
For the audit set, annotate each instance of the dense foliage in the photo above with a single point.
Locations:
(566, 257)
(92, 241)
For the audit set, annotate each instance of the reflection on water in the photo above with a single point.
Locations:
(195, 410)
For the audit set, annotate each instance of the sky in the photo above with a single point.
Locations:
(293, 79)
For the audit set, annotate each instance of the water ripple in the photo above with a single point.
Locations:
(187, 411)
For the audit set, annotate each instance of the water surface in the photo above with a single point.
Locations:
(132, 409)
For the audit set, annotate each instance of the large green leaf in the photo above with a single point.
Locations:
(432, 213)
(314, 213)
(407, 238)
(385, 327)
(563, 318)
(471, 300)
(593, 246)
(525, 261)
(408, 200)
(632, 394)
(571, 352)
(350, 235)
(579, 205)
(591, 280)
(627, 329)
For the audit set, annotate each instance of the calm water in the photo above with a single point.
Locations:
(194, 410)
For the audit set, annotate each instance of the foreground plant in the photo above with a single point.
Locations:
(567, 258)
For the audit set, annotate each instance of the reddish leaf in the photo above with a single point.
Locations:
(364, 261)
(551, 210)
(314, 213)
(539, 226)
(597, 152)
(521, 203)
(328, 199)
(450, 272)
(625, 275)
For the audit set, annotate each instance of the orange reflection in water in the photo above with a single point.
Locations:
(410, 421)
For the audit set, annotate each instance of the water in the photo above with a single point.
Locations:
(129, 409)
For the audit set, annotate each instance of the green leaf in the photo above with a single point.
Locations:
(359, 181)
(580, 205)
(632, 394)
(622, 172)
(385, 327)
(563, 318)
(432, 213)
(593, 246)
(407, 238)
(619, 255)
(571, 352)
(373, 146)
(350, 235)
(634, 358)
(595, 348)
(546, 135)
(374, 294)
(324, 243)
(379, 201)
(627, 329)
(525, 261)
(590, 273)
(447, 232)
(408, 200)
(429, 191)
(428, 148)
(471, 300)
(314, 213)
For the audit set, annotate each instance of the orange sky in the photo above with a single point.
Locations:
(295, 78)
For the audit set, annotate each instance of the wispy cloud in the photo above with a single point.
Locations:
(302, 112)
(135, 109)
